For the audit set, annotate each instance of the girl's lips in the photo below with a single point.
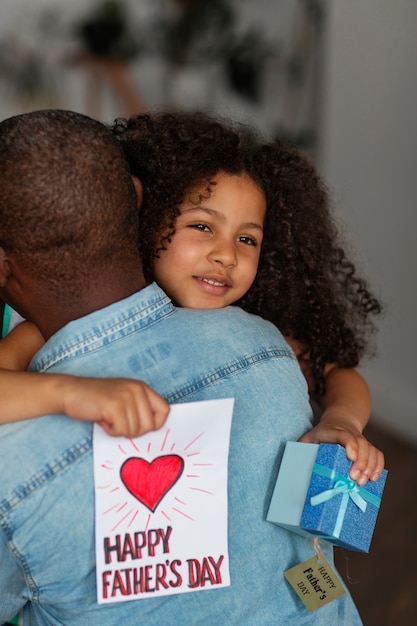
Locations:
(213, 281)
(215, 285)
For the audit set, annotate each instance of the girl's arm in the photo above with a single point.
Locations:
(346, 411)
(346, 408)
(123, 407)
(19, 346)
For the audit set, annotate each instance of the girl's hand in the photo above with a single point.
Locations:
(367, 461)
(123, 407)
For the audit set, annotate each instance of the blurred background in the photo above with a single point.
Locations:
(338, 78)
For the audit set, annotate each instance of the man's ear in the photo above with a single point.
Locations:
(4, 268)
(139, 190)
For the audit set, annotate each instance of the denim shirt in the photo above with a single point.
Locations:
(47, 560)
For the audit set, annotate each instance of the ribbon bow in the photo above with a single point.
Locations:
(343, 485)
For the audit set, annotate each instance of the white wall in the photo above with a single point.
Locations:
(193, 87)
(369, 160)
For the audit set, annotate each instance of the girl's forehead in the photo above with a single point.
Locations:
(237, 196)
(225, 180)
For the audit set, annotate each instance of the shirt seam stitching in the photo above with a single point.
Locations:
(230, 370)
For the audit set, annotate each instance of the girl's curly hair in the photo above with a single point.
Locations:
(172, 154)
(305, 283)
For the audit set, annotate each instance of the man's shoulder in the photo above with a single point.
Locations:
(233, 319)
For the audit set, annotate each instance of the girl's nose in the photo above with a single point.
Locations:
(224, 254)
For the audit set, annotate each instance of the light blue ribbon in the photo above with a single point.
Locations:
(348, 488)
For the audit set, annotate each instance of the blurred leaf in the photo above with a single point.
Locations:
(106, 32)
(245, 65)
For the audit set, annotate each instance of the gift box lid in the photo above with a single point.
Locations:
(291, 487)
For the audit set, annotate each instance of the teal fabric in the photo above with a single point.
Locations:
(5, 314)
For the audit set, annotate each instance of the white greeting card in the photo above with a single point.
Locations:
(161, 505)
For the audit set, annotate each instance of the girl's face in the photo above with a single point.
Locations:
(213, 256)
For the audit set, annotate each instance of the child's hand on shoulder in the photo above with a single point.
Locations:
(367, 461)
(123, 407)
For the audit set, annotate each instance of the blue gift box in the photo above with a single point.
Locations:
(314, 495)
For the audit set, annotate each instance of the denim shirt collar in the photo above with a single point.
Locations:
(98, 328)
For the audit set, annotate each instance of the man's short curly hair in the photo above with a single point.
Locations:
(305, 283)
(64, 208)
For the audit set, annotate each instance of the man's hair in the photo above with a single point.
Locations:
(67, 202)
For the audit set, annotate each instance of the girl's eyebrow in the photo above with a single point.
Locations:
(220, 216)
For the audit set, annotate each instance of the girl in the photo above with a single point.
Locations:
(228, 218)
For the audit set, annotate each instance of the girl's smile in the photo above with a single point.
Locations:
(213, 256)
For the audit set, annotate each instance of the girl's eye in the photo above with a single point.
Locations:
(202, 227)
(250, 241)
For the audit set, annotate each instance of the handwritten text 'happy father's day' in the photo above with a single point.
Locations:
(141, 580)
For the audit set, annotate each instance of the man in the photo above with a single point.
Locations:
(69, 263)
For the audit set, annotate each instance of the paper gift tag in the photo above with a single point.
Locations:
(315, 582)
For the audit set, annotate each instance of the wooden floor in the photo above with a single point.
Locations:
(383, 583)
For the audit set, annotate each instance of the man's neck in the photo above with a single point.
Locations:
(54, 316)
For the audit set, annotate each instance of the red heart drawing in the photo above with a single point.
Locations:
(150, 482)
